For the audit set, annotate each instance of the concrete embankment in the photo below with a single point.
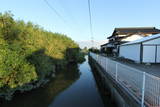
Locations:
(117, 93)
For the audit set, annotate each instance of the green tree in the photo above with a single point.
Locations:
(29, 54)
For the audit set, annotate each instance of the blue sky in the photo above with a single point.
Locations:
(106, 15)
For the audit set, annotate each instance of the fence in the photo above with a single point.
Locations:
(144, 87)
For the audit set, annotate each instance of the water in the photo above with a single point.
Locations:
(83, 93)
(75, 87)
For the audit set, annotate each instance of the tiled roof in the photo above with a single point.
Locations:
(134, 30)
(144, 39)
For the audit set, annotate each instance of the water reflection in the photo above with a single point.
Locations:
(43, 96)
(74, 87)
(82, 93)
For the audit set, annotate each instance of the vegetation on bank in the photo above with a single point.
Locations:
(85, 50)
(94, 50)
(29, 55)
(44, 96)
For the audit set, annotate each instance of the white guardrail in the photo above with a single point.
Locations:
(145, 87)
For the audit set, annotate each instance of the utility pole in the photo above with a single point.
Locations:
(92, 42)
(91, 25)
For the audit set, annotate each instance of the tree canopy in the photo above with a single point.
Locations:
(29, 54)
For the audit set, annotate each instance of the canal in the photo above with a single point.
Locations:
(75, 87)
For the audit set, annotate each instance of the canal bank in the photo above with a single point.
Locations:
(108, 86)
(75, 87)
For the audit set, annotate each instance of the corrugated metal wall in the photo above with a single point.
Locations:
(130, 52)
(149, 55)
(150, 51)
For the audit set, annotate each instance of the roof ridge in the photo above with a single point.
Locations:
(136, 28)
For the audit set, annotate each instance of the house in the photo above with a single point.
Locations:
(106, 48)
(124, 35)
(145, 50)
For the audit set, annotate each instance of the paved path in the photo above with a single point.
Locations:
(153, 69)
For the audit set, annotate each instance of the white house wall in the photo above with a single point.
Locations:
(154, 41)
(121, 35)
(133, 37)
(130, 52)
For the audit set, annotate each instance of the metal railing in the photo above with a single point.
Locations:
(145, 87)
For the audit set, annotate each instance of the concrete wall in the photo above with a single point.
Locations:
(130, 52)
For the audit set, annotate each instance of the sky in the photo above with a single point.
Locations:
(74, 20)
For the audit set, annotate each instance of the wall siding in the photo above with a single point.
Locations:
(130, 52)
(149, 54)
(158, 54)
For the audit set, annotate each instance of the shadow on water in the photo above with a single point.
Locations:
(75, 84)
(105, 94)
(83, 93)
(44, 95)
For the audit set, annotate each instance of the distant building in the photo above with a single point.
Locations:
(124, 35)
(145, 50)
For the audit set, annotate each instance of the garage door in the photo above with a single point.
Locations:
(149, 54)
(158, 54)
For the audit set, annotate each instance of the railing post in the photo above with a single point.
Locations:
(97, 58)
(143, 89)
(105, 65)
(116, 71)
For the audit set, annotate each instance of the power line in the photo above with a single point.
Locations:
(68, 12)
(55, 11)
(90, 19)
(70, 16)
(59, 15)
